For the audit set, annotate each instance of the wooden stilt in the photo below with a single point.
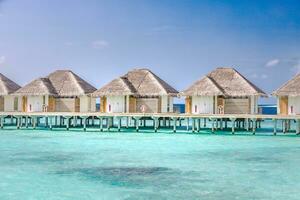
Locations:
(137, 124)
(233, 125)
(187, 124)
(297, 126)
(213, 125)
(119, 124)
(254, 126)
(67, 123)
(2, 122)
(198, 125)
(193, 125)
(50, 122)
(275, 126)
(174, 124)
(84, 121)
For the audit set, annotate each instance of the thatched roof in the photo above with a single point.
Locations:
(40, 86)
(223, 81)
(118, 86)
(66, 83)
(62, 83)
(138, 82)
(7, 86)
(290, 88)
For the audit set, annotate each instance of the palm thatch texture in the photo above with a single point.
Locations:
(61, 83)
(7, 86)
(223, 81)
(137, 82)
(290, 88)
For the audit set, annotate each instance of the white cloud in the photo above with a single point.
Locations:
(2, 59)
(272, 63)
(99, 44)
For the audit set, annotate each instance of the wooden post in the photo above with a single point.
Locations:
(26, 121)
(18, 122)
(2, 122)
(67, 123)
(204, 122)
(254, 126)
(155, 123)
(34, 122)
(221, 123)
(119, 124)
(137, 124)
(232, 125)
(50, 122)
(275, 126)
(187, 124)
(127, 122)
(212, 125)
(101, 123)
(174, 124)
(297, 126)
(84, 120)
(198, 125)
(193, 125)
(247, 124)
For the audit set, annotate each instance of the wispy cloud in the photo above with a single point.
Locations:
(272, 63)
(100, 44)
(2, 60)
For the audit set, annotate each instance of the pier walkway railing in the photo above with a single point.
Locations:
(174, 121)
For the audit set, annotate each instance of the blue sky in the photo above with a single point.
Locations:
(180, 41)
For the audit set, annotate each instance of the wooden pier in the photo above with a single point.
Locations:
(172, 121)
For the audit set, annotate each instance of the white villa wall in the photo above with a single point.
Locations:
(87, 104)
(9, 103)
(253, 105)
(20, 103)
(166, 102)
(116, 104)
(293, 105)
(35, 103)
(93, 104)
(205, 105)
(278, 105)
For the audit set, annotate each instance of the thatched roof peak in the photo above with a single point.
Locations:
(7, 86)
(290, 88)
(138, 82)
(224, 81)
(63, 83)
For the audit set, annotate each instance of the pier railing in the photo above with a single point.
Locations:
(174, 121)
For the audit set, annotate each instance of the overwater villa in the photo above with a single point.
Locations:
(8, 103)
(222, 91)
(288, 97)
(60, 91)
(140, 90)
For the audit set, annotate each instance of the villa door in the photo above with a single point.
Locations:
(237, 106)
(65, 105)
(283, 104)
(147, 105)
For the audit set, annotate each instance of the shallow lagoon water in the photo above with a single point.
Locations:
(45, 164)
